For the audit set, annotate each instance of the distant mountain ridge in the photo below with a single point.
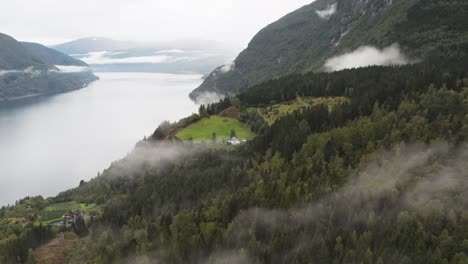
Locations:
(303, 40)
(29, 69)
(184, 56)
(92, 44)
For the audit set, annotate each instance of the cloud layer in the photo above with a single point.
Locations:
(104, 57)
(4, 72)
(71, 69)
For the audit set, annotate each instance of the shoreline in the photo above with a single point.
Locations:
(30, 96)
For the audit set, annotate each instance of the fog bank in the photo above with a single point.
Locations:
(367, 56)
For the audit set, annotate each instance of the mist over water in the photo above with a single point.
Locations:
(49, 144)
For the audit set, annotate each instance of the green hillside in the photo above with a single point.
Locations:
(302, 41)
(378, 178)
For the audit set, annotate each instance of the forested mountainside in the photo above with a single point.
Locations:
(305, 39)
(379, 176)
(14, 56)
(29, 69)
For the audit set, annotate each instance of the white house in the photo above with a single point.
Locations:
(234, 141)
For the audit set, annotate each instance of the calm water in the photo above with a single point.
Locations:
(49, 144)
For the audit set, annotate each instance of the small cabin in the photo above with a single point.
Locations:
(234, 141)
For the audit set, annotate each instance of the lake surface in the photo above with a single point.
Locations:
(49, 144)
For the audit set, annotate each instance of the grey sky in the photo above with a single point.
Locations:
(54, 21)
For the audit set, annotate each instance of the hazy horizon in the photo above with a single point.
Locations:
(52, 22)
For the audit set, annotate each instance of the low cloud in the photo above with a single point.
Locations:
(5, 72)
(418, 178)
(367, 56)
(173, 51)
(227, 67)
(102, 57)
(327, 12)
(71, 69)
(153, 154)
(219, 257)
(105, 57)
(208, 98)
(227, 257)
(437, 187)
(29, 70)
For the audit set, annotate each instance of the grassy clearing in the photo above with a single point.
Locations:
(203, 130)
(274, 112)
(55, 212)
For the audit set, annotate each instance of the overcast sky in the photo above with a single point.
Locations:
(55, 21)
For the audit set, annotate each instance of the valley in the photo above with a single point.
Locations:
(338, 135)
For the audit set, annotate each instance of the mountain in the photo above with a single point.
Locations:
(30, 69)
(180, 56)
(92, 44)
(51, 56)
(303, 40)
(15, 56)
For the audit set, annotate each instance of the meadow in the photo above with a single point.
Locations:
(203, 130)
(272, 113)
(55, 212)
